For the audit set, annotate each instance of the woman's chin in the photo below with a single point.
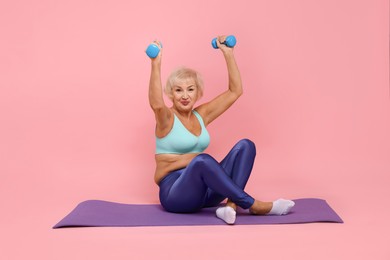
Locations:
(185, 108)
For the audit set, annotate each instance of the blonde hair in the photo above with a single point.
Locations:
(180, 74)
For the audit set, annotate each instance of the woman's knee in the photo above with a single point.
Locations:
(203, 163)
(204, 159)
(246, 144)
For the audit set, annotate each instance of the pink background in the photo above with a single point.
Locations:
(76, 124)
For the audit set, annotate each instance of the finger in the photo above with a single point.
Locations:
(222, 38)
(217, 42)
(158, 43)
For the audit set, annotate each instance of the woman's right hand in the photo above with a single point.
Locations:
(158, 57)
(221, 46)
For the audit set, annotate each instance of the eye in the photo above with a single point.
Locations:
(178, 90)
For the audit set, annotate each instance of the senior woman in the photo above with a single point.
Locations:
(189, 179)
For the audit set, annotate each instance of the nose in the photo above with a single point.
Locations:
(185, 95)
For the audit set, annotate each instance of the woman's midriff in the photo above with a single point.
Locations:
(165, 163)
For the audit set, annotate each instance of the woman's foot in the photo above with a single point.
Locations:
(278, 207)
(260, 208)
(227, 214)
(281, 207)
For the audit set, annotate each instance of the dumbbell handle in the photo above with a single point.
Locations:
(230, 41)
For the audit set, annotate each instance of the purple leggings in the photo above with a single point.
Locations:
(206, 183)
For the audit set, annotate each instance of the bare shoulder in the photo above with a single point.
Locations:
(201, 110)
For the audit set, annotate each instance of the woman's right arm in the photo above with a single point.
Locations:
(156, 100)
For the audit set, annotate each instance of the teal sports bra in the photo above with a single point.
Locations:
(181, 141)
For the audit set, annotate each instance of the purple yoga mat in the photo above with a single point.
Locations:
(98, 213)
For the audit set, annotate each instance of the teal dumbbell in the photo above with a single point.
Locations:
(153, 50)
(230, 41)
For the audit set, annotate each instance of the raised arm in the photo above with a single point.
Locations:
(156, 100)
(213, 109)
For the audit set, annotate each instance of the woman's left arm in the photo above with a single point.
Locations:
(213, 109)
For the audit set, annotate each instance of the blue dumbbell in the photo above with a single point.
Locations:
(153, 50)
(230, 41)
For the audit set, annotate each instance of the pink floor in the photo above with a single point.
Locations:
(27, 220)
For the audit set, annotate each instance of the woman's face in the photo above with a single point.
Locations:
(185, 94)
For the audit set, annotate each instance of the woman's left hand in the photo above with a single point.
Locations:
(221, 46)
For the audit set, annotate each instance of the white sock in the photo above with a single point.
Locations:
(281, 207)
(227, 214)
